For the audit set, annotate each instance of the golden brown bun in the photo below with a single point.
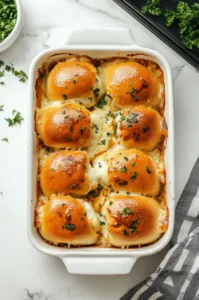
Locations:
(134, 220)
(70, 79)
(133, 171)
(65, 172)
(64, 219)
(140, 128)
(130, 84)
(68, 126)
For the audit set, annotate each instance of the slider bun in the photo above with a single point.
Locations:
(140, 127)
(64, 219)
(70, 79)
(133, 171)
(66, 126)
(134, 220)
(66, 172)
(130, 84)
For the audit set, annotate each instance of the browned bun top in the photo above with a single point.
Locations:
(130, 84)
(65, 126)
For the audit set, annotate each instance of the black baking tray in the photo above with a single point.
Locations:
(170, 35)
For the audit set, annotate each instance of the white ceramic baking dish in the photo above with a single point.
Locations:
(100, 42)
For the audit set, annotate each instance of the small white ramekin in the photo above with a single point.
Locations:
(16, 30)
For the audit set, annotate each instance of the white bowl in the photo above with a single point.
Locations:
(16, 30)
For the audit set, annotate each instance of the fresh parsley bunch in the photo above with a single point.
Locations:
(152, 7)
(188, 20)
(186, 16)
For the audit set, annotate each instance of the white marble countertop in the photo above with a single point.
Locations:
(24, 272)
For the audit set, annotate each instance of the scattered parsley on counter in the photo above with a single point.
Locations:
(152, 8)
(17, 119)
(8, 17)
(5, 140)
(1, 107)
(20, 74)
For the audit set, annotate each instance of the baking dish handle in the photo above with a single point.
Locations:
(95, 265)
(118, 36)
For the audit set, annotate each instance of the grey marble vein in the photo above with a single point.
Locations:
(104, 12)
(37, 295)
(176, 71)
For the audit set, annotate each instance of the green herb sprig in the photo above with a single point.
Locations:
(152, 8)
(188, 21)
(17, 118)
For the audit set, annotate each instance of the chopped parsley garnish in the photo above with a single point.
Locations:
(125, 232)
(152, 8)
(82, 129)
(126, 158)
(148, 170)
(63, 204)
(133, 177)
(95, 127)
(8, 17)
(103, 142)
(73, 186)
(133, 226)
(102, 223)
(68, 139)
(2, 83)
(96, 92)
(102, 101)
(74, 81)
(64, 96)
(145, 129)
(123, 182)
(17, 119)
(137, 138)
(1, 73)
(1, 63)
(110, 202)
(123, 169)
(133, 164)
(1, 107)
(5, 140)
(99, 187)
(70, 227)
(96, 192)
(133, 92)
(66, 117)
(127, 211)
(108, 134)
(130, 118)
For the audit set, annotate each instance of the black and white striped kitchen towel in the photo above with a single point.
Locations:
(177, 277)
